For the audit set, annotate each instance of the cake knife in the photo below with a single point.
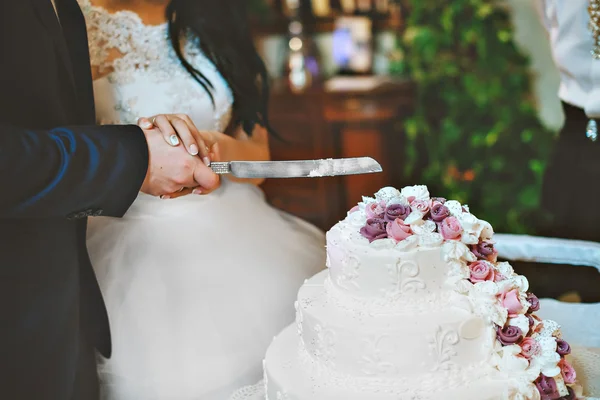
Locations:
(297, 169)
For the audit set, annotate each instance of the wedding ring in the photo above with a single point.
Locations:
(153, 120)
(181, 190)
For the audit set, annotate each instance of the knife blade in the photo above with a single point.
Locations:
(298, 169)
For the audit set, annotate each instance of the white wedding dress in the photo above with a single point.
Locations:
(195, 287)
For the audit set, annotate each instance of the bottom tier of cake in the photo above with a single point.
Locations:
(292, 375)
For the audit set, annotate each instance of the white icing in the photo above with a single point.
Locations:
(402, 320)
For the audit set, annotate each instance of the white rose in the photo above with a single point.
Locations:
(522, 322)
(424, 227)
(414, 217)
(472, 228)
(458, 268)
(365, 202)
(509, 362)
(487, 231)
(505, 269)
(430, 239)
(549, 328)
(419, 192)
(383, 244)
(454, 207)
(455, 250)
(386, 194)
(357, 219)
(408, 244)
(398, 200)
(463, 286)
(547, 361)
(520, 282)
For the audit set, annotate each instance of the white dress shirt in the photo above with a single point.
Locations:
(572, 43)
(55, 11)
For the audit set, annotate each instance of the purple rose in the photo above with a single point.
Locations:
(531, 320)
(375, 210)
(534, 301)
(439, 212)
(438, 200)
(374, 229)
(395, 211)
(485, 250)
(570, 396)
(547, 388)
(562, 347)
(509, 335)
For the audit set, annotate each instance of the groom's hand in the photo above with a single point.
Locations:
(172, 169)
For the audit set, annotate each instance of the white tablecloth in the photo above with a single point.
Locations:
(586, 362)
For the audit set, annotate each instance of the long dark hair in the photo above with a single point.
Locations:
(221, 27)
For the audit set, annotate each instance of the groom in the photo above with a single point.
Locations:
(56, 169)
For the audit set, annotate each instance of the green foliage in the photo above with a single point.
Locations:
(475, 135)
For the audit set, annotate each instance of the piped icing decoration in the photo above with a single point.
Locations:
(527, 349)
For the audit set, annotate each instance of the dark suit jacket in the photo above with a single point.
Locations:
(56, 169)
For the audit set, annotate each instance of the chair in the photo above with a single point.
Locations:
(580, 322)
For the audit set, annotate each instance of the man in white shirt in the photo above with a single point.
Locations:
(572, 181)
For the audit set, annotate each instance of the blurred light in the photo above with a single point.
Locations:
(295, 44)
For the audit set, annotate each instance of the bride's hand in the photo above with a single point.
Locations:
(174, 127)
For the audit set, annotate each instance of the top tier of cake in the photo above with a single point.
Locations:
(403, 250)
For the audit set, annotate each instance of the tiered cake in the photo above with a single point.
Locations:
(414, 305)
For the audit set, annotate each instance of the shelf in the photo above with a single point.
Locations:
(279, 25)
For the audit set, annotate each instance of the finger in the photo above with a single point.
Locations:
(215, 152)
(206, 178)
(190, 142)
(184, 192)
(144, 123)
(169, 134)
(205, 140)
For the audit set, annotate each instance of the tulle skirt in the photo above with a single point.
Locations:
(196, 288)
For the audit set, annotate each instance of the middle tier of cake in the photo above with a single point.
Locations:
(361, 344)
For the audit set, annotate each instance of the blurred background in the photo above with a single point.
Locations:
(458, 95)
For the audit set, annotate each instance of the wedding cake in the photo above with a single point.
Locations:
(414, 305)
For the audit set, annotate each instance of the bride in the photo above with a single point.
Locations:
(196, 286)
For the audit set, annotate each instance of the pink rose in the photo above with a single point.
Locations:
(450, 228)
(398, 230)
(499, 277)
(567, 371)
(530, 348)
(421, 206)
(482, 271)
(510, 300)
(375, 210)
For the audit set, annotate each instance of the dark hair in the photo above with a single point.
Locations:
(221, 27)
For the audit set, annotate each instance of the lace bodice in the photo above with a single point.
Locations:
(140, 74)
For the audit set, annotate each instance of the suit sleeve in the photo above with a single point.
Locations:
(70, 172)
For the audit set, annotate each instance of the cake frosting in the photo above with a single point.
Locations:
(414, 305)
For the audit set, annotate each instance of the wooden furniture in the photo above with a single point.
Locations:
(320, 124)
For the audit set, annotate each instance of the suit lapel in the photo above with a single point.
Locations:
(75, 34)
(46, 13)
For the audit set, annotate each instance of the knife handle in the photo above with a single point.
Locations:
(220, 168)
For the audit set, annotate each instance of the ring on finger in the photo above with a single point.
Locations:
(153, 120)
(181, 190)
